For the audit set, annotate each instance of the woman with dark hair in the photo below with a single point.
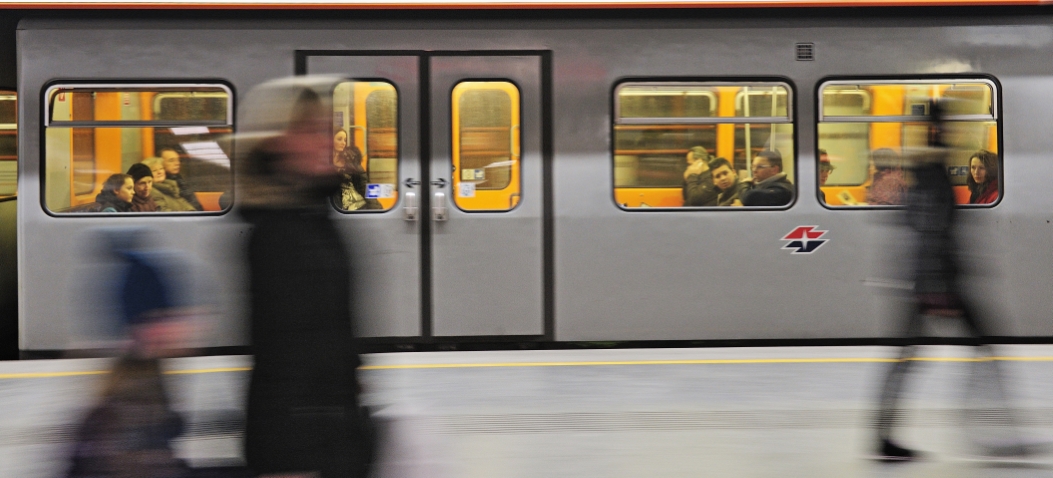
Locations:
(347, 159)
(116, 195)
(888, 183)
(983, 177)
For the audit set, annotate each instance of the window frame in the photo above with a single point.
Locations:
(790, 118)
(996, 116)
(117, 85)
(365, 146)
(517, 106)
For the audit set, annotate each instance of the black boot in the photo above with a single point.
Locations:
(891, 452)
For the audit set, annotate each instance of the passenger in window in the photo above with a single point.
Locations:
(173, 166)
(727, 182)
(888, 182)
(770, 186)
(983, 177)
(143, 181)
(698, 188)
(165, 192)
(116, 195)
(348, 161)
(825, 168)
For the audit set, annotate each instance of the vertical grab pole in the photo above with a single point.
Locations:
(746, 113)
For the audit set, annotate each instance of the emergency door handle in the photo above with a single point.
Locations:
(409, 206)
(438, 207)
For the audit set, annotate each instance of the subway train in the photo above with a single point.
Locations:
(526, 173)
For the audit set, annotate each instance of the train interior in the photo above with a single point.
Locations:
(657, 124)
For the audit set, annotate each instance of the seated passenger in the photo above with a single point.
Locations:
(888, 182)
(727, 182)
(770, 186)
(165, 192)
(698, 188)
(116, 195)
(348, 161)
(983, 177)
(825, 168)
(172, 165)
(143, 180)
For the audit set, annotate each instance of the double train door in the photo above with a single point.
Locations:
(450, 241)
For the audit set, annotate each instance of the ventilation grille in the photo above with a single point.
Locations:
(805, 51)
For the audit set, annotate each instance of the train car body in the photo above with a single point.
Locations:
(573, 253)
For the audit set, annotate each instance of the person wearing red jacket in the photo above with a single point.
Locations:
(983, 177)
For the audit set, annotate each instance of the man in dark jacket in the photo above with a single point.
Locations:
(727, 182)
(770, 185)
(698, 181)
(173, 166)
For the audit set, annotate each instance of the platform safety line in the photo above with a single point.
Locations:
(703, 362)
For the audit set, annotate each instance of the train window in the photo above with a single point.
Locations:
(365, 143)
(170, 142)
(869, 130)
(703, 144)
(8, 144)
(485, 158)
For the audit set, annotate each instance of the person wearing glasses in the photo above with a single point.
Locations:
(770, 186)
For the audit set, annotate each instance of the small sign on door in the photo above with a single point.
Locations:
(378, 191)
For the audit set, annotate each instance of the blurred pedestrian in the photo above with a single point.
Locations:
(303, 415)
(930, 213)
(130, 432)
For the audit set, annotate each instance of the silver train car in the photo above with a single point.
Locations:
(527, 176)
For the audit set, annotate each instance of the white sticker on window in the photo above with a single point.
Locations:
(473, 175)
(466, 190)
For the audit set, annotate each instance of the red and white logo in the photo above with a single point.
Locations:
(804, 239)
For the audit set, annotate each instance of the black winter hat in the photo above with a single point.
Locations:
(139, 171)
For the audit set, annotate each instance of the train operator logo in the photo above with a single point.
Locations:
(804, 239)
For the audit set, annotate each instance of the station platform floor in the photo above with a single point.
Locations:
(726, 412)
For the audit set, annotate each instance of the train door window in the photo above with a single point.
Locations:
(662, 130)
(100, 137)
(871, 130)
(486, 149)
(365, 145)
(8, 144)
